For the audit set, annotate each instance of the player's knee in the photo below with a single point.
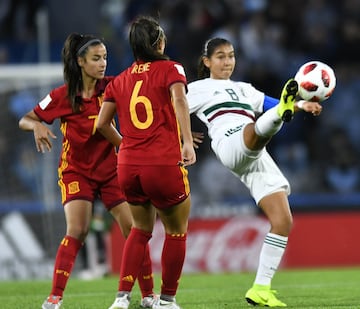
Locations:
(78, 232)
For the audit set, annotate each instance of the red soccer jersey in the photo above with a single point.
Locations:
(146, 113)
(84, 150)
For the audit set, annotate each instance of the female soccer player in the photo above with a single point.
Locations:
(238, 138)
(87, 167)
(156, 145)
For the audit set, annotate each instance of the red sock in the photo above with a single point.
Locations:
(172, 261)
(145, 276)
(64, 262)
(133, 257)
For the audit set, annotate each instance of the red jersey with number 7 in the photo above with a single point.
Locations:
(84, 150)
(146, 114)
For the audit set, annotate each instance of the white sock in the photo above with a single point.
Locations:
(269, 123)
(270, 256)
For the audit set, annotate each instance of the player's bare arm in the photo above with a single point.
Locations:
(104, 123)
(182, 113)
(42, 134)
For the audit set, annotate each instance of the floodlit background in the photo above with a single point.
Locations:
(273, 38)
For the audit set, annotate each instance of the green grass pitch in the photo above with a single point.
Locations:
(310, 288)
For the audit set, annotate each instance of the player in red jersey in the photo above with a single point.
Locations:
(155, 147)
(87, 166)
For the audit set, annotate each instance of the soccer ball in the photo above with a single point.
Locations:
(316, 81)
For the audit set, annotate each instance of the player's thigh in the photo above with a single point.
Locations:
(263, 177)
(175, 219)
(78, 214)
(144, 216)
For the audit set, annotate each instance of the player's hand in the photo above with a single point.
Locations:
(42, 136)
(198, 138)
(311, 107)
(188, 155)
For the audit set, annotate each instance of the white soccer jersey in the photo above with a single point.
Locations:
(223, 100)
(226, 106)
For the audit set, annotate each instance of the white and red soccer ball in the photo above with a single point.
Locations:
(316, 81)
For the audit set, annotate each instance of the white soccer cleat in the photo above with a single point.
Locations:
(122, 302)
(163, 304)
(52, 302)
(148, 301)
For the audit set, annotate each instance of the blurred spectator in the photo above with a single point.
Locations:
(343, 108)
(349, 31)
(18, 19)
(341, 172)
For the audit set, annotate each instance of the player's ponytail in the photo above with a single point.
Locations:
(145, 36)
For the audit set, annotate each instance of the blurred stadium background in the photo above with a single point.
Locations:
(320, 156)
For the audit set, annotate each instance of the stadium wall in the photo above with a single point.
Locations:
(321, 239)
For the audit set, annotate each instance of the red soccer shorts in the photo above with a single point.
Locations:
(77, 187)
(161, 185)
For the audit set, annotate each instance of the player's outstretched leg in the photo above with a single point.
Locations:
(262, 295)
(287, 100)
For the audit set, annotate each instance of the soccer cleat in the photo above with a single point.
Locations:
(287, 100)
(148, 301)
(52, 302)
(262, 295)
(121, 302)
(163, 304)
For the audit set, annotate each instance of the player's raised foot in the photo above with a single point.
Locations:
(148, 301)
(52, 302)
(287, 100)
(122, 301)
(262, 295)
(163, 304)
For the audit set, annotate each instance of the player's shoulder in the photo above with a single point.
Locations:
(59, 92)
(168, 64)
(173, 68)
(107, 79)
(200, 83)
(120, 76)
(244, 86)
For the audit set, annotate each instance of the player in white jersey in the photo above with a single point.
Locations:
(241, 120)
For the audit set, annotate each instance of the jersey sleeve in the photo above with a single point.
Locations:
(196, 96)
(176, 73)
(257, 97)
(49, 108)
(109, 92)
(269, 102)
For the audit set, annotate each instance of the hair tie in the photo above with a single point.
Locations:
(158, 37)
(206, 47)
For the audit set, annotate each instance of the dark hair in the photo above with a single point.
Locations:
(144, 37)
(76, 45)
(209, 49)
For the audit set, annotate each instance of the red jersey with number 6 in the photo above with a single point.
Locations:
(84, 150)
(146, 114)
